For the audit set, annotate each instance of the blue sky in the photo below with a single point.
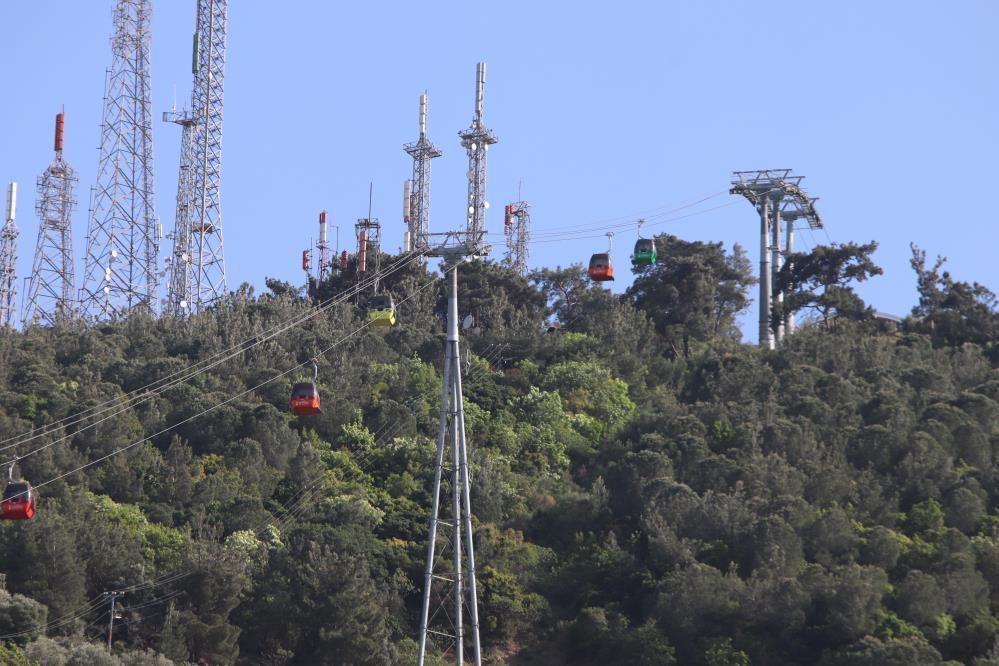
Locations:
(602, 111)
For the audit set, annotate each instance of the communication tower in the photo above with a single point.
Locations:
(197, 267)
(517, 229)
(8, 260)
(416, 192)
(49, 298)
(180, 288)
(777, 196)
(325, 261)
(123, 236)
(476, 141)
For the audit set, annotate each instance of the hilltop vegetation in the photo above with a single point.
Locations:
(647, 488)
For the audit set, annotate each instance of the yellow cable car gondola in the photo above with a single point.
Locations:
(381, 310)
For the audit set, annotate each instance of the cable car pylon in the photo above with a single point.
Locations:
(454, 581)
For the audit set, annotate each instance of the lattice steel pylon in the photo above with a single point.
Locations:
(180, 283)
(417, 199)
(517, 229)
(449, 588)
(120, 272)
(50, 295)
(476, 141)
(777, 196)
(8, 260)
(207, 256)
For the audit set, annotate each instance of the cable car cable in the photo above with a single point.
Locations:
(194, 372)
(195, 369)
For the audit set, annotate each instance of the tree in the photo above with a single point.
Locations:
(694, 291)
(820, 280)
(953, 312)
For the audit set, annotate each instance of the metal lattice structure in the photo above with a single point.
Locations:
(777, 196)
(450, 591)
(120, 272)
(49, 299)
(416, 200)
(517, 229)
(207, 256)
(181, 284)
(8, 260)
(476, 141)
(325, 267)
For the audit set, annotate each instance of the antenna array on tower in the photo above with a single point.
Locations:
(120, 271)
(49, 298)
(476, 141)
(197, 267)
(517, 229)
(8, 260)
(416, 194)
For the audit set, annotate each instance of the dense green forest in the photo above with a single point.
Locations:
(647, 488)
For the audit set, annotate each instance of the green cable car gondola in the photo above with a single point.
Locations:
(645, 252)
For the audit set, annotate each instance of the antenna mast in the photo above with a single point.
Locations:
(123, 236)
(517, 228)
(476, 141)
(8, 260)
(416, 192)
(49, 299)
(207, 257)
(777, 196)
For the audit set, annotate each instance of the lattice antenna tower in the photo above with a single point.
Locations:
(120, 272)
(49, 297)
(777, 196)
(180, 286)
(325, 260)
(207, 257)
(517, 228)
(476, 141)
(8, 260)
(369, 242)
(416, 192)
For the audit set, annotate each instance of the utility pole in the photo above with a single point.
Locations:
(416, 192)
(120, 272)
(112, 616)
(779, 198)
(49, 298)
(8, 260)
(476, 141)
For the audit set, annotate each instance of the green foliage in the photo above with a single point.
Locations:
(645, 489)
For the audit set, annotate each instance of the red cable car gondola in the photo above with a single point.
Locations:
(305, 396)
(18, 499)
(601, 269)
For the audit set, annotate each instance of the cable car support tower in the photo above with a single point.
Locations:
(120, 271)
(778, 197)
(449, 586)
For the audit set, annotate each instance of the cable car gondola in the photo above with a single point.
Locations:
(381, 310)
(601, 269)
(18, 499)
(305, 396)
(645, 249)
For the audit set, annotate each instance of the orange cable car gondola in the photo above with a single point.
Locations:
(305, 396)
(601, 269)
(18, 499)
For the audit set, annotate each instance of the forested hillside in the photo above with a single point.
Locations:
(647, 488)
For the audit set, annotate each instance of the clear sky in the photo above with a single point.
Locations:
(890, 109)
